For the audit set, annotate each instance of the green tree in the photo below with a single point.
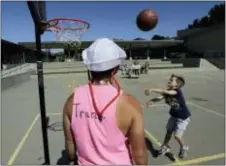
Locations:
(190, 26)
(158, 37)
(217, 14)
(61, 54)
(195, 23)
(139, 38)
(52, 58)
(116, 39)
(204, 22)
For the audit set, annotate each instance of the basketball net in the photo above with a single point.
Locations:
(67, 31)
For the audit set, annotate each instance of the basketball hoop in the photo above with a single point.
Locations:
(67, 30)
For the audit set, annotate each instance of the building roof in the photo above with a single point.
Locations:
(122, 43)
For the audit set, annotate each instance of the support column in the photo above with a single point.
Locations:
(69, 52)
(130, 54)
(165, 53)
(24, 60)
(148, 53)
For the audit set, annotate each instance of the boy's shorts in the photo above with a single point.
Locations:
(177, 126)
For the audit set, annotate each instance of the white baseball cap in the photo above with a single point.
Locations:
(103, 54)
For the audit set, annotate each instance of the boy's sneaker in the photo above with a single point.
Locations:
(164, 149)
(183, 152)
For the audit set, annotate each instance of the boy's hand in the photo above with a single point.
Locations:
(149, 104)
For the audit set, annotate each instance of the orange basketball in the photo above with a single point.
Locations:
(147, 20)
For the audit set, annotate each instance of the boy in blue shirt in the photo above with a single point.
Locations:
(180, 114)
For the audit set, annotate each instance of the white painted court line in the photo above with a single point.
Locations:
(54, 114)
(206, 109)
(195, 105)
(16, 152)
(23, 140)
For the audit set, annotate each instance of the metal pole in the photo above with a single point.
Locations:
(42, 96)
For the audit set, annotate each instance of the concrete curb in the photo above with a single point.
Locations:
(84, 71)
(10, 81)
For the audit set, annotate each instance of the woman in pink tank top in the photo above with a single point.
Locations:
(90, 113)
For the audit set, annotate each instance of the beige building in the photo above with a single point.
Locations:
(211, 39)
(209, 42)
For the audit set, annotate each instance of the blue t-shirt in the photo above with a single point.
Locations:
(178, 106)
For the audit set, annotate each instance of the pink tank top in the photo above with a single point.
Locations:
(98, 143)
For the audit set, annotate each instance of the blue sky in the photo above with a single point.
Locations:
(107, 19)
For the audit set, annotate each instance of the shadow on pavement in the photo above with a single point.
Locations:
(64, 159)
(56, 126)
(154, 151)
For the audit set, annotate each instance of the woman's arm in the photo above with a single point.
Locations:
(69, 142)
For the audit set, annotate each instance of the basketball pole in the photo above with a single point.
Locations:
(42, 94)
(44, 120)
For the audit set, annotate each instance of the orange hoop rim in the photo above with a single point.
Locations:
(55, 25)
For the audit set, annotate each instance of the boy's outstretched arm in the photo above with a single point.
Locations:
(156, 99)
(164, 91)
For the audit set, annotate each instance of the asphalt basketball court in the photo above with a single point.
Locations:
(204, 92)
(21, 123)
